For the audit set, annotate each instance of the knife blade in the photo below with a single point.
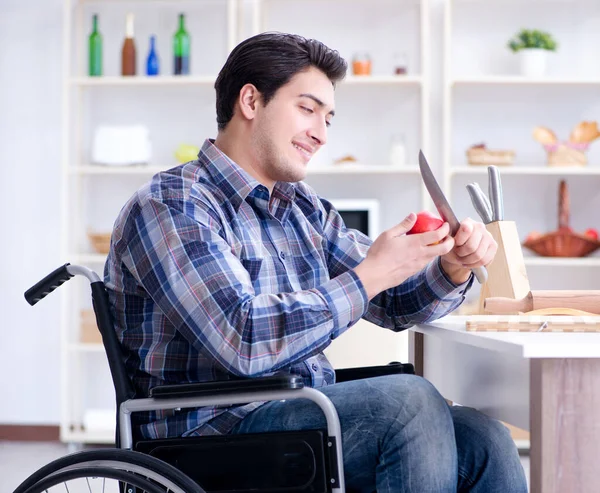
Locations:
(444, 208)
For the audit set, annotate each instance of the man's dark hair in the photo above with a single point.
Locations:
(269, 61)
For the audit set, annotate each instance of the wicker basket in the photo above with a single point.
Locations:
(567, 155)
(563, 242)
(484, 157)
(100, 241)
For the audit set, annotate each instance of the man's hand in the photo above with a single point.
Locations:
(474, 246)
(394, 256)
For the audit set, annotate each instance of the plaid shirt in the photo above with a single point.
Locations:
(210, 277)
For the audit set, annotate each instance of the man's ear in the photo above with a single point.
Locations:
(248, 101)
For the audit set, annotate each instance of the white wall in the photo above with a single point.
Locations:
(30, 103)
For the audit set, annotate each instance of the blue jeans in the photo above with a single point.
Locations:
(399, 435)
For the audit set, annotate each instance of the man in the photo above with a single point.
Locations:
(231, 266)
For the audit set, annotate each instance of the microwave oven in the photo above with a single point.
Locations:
(360, 214)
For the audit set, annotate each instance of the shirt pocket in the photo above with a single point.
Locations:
(253, 266)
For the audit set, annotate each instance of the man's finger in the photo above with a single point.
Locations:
(404, 226)
(464, 232)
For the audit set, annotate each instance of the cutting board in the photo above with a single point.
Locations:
(532, 323)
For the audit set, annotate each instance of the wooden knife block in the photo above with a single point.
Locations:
(507, 276)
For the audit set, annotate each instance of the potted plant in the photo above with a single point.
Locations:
(533, 47)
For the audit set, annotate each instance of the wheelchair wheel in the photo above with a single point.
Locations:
(107, 471)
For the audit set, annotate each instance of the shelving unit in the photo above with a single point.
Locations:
(483, 94)
(92, 194)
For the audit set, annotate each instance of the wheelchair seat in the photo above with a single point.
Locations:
(276, 462)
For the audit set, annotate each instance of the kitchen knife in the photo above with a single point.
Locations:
(479, 203)
(443, 207)
(485, 199)
(495, 192)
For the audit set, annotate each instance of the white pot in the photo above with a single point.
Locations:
(534, 62)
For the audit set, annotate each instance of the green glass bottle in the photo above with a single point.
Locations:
(181, 49)
(95, 47)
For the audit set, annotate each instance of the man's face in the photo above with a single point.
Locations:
(293, 126)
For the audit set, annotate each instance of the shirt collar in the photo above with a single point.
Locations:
(233, 180)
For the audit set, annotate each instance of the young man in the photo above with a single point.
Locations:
(231, 266)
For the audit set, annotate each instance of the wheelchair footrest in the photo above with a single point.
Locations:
(278, 462)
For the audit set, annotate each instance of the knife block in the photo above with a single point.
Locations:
(507, 276)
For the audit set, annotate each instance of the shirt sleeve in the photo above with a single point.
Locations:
(425, 296)
(206, 292)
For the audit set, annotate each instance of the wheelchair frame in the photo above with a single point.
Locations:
(170, 397)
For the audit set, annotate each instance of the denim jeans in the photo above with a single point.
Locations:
(399, 435)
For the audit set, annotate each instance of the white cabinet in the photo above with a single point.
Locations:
(370, 110)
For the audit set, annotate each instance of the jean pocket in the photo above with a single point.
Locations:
(253, 266)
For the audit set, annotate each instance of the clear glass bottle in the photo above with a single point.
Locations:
(398, 150)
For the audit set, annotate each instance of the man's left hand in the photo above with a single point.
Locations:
(474, 246)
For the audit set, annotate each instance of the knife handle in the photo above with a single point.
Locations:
(481, 274)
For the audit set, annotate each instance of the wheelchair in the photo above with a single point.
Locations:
(308, 461)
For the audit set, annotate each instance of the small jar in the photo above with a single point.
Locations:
(400, 63)
(361, 64)
(398, 150)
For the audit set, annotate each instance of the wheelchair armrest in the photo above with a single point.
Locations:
(395, 367)
(259, 384)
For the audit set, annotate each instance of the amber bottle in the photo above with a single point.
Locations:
(128, 52)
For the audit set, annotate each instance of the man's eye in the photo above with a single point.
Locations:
(308, 110)
(327, 123)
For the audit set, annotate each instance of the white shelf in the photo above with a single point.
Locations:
(88, 258)
(91, 169)
(528, 170)
(143, 80)
(81, 347)
(347, 169)
(521, 80)
(203, 80)
(362, 169)
(563, 261)
(96, 436)
(382, 79)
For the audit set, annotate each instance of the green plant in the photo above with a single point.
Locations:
(532, 38)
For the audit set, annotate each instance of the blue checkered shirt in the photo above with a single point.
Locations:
(209, 276)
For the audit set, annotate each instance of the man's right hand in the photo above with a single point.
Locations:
(395, 256)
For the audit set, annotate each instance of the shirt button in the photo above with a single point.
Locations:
(315, 367)
(282, 255)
